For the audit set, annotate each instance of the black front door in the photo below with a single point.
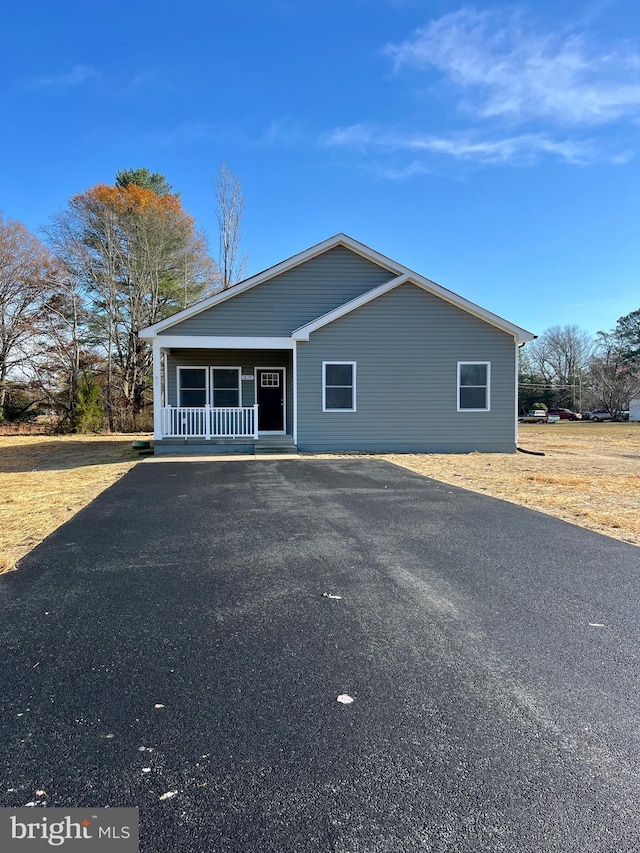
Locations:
(270, 398)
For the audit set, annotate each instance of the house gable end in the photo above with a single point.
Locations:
(405, 347)
(520, 335)
(288, 299)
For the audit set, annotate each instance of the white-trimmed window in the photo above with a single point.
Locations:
(338, 386)
(474, 386)
(192, 386)
(225, 387)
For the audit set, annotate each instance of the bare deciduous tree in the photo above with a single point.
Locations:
(230, 201)
(25, 271)
(63, 355)
(561, 358)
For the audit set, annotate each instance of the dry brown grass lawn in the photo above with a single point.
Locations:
(45, 480)
(589, 475)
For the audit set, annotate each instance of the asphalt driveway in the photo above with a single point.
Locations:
(492, 654)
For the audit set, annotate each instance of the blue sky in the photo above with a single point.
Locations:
(492, 147)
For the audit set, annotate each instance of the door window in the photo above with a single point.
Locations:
(269, 380)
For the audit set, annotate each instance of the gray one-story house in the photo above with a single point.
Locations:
(335, 349)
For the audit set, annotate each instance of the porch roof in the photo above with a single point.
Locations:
(221, 342)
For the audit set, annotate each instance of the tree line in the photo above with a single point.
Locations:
(117, 258)
(121, 257)
(566, 367)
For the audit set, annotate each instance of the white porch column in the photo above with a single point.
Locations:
(157, 391)
(294, 367)
(517, 387)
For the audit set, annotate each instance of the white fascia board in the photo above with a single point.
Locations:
(370, 254)
(408, 276)
(521, 335)
(265, 275)
(220, 342)
(302, 334)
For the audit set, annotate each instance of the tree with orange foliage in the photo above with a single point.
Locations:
(138, 258)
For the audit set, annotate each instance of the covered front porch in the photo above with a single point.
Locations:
(223, 400)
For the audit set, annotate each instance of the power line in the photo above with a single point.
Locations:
(541, 385)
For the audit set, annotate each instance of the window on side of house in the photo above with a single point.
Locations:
(474, 384)
(225, 387)
(338, 386)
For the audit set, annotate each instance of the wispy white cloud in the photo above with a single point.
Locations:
(78, 75)
(141, 82)
(502, 67)
(623, 157)
(524, 148)
(284, 132)
(399, 173)
(517, 95)
(186, 132)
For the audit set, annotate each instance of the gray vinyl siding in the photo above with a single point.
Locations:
(247, 360)
(407, 344)
(290, 300)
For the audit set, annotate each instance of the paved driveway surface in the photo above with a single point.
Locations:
(488, 715)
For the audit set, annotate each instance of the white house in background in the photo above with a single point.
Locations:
(337, 348)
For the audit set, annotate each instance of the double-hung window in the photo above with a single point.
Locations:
(192, 386)
(222, 391)
(338, 386)
(474, 386)
(225, 387)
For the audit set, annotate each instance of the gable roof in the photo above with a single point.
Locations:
(401, 275)
(521, 335)
(266, 275)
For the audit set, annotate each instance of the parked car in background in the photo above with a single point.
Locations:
(565, 414)
(535, 416)
(600, 415)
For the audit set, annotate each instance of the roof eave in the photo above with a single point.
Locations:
(402, 274)
(284, 266)
(409, 277)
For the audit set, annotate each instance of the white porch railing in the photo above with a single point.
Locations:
(207, 422)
